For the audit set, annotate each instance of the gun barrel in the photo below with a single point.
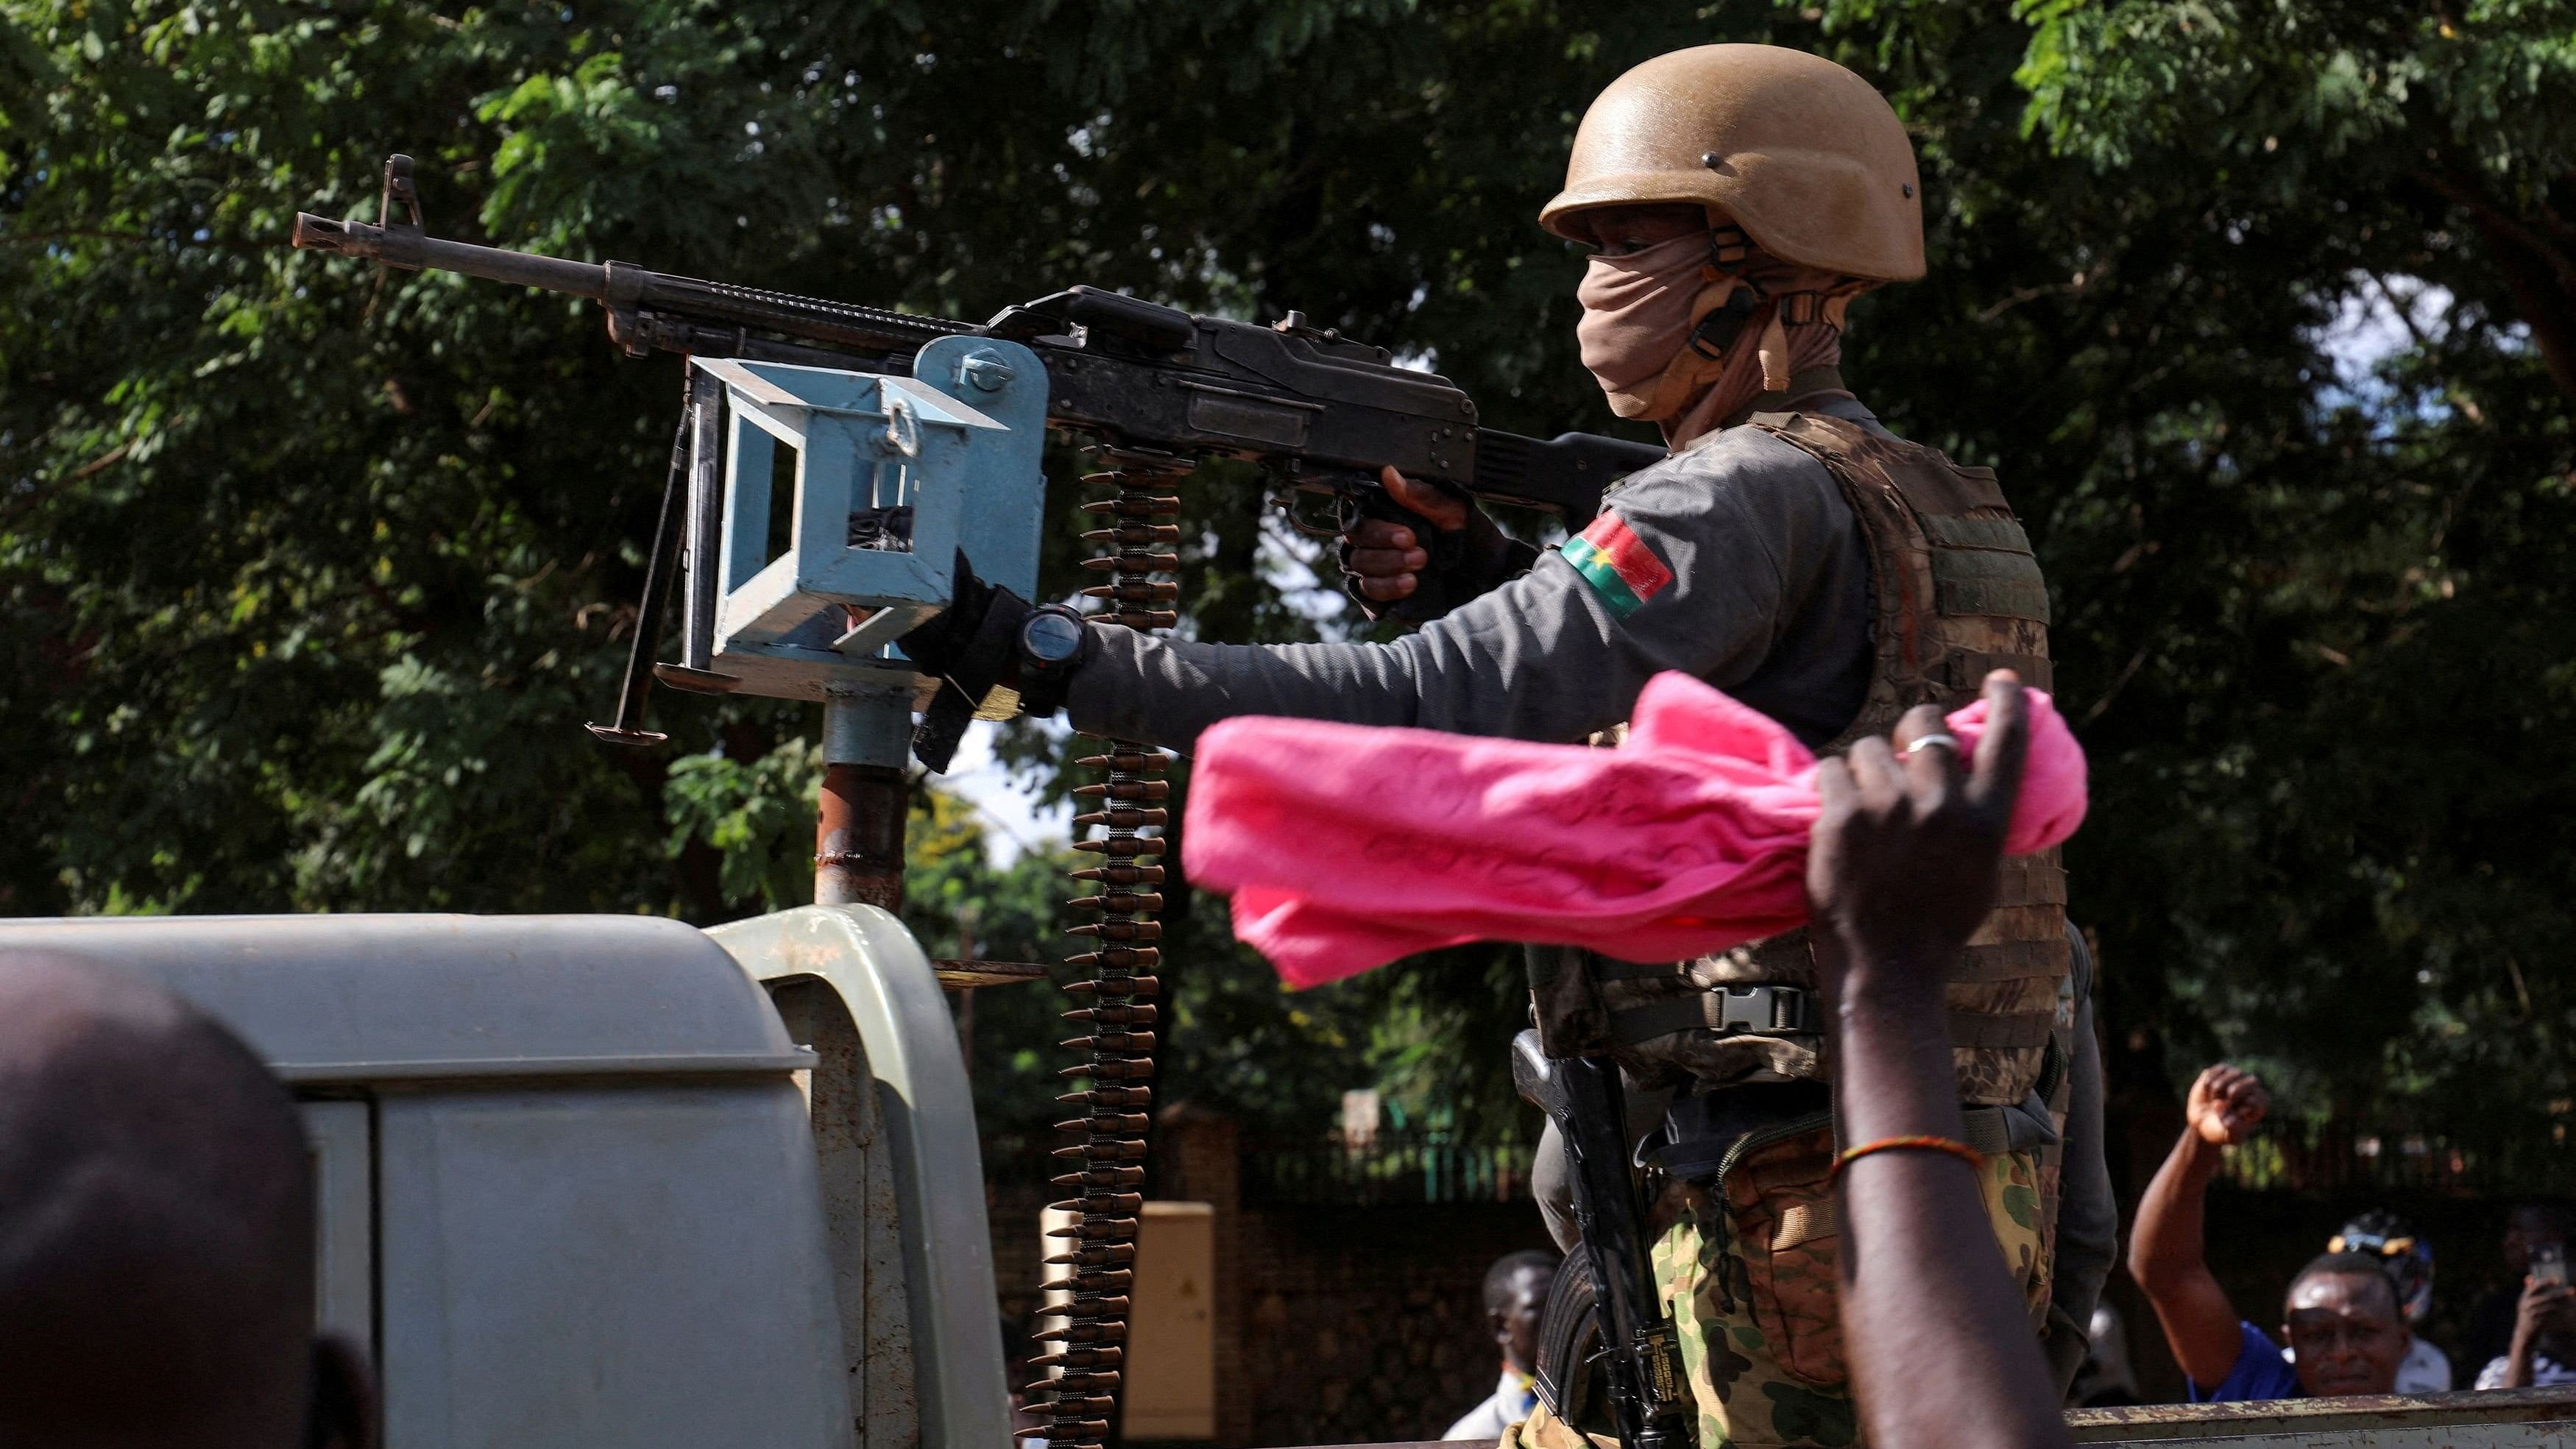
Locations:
(413, 252)
(620, 285)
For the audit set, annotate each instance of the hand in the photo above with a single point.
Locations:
(2225, 1105)
(1902, 864)
(937, 644)
(969, 647)
(1386, 556)
(2546, 1308)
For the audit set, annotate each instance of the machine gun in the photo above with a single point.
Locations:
(1321, 411)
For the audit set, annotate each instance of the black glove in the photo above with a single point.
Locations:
(1466, 562)
(971, 649)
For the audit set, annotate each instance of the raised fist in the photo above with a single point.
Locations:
(2225, 1105)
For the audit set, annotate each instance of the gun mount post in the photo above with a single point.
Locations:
(859, 815)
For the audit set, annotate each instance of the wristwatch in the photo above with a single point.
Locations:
(1053, 643)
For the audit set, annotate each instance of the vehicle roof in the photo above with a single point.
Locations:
(357, 998)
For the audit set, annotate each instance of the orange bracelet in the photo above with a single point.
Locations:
(1955, 1148)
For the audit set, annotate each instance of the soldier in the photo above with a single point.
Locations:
(1796, 554)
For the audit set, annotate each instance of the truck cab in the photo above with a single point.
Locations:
(615, 1181)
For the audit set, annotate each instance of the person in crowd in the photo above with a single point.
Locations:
(2542, 1352)
(2340, 1318)
(156, 1230)
(2528, 1226)
(2407, 1256)
(1902, 868)
(1516, 1290)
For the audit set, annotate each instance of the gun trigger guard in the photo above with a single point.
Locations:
(1287, 499)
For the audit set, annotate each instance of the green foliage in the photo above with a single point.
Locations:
(758, 817)
(311, 573)
(2314, 629)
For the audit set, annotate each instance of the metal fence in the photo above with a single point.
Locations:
(2336, 1156)
(1430, 1165)
(1391, 1165)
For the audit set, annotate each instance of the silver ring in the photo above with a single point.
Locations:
(1936, 738)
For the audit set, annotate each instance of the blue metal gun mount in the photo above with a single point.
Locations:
(826, 509)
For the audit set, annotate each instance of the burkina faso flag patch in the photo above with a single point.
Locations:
(1618, 565)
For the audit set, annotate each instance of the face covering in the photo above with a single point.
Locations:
(1640, 312)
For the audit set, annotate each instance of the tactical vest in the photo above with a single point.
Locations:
(1956, 593)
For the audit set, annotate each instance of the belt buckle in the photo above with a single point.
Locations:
(1761, 1010)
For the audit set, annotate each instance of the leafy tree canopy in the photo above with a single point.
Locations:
(312, 573)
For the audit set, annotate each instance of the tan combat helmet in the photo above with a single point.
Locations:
(1798, 151)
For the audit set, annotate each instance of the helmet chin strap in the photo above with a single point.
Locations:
(1718, 330)
(1729, 249)
(1780, 371)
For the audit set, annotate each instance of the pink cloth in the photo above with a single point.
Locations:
(1348, 846)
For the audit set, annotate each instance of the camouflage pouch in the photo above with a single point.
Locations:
(1544, 1430)
(1752, 1284)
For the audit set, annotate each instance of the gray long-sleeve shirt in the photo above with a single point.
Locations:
(1769, 601)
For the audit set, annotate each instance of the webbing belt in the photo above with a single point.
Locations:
(1726, 1010)
(1790, 1011)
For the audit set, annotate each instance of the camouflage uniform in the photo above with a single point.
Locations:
(1749, 1261)
(1753, 1293)
(1752, 1286)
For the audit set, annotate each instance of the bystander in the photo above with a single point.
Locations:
(2529, 1226)
(2407, 1257)
(1515, 1298)
(156, 1230)
(1903, 870)
(2108, 1379)
(2542, 1351)
(2340, 1315)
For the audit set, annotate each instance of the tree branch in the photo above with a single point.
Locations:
(30, 502)
(2541, 277)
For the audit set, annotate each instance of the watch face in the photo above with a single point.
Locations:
(1051, 638)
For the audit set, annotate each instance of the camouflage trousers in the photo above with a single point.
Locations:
(1751, 1284)
(1752, 1288)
